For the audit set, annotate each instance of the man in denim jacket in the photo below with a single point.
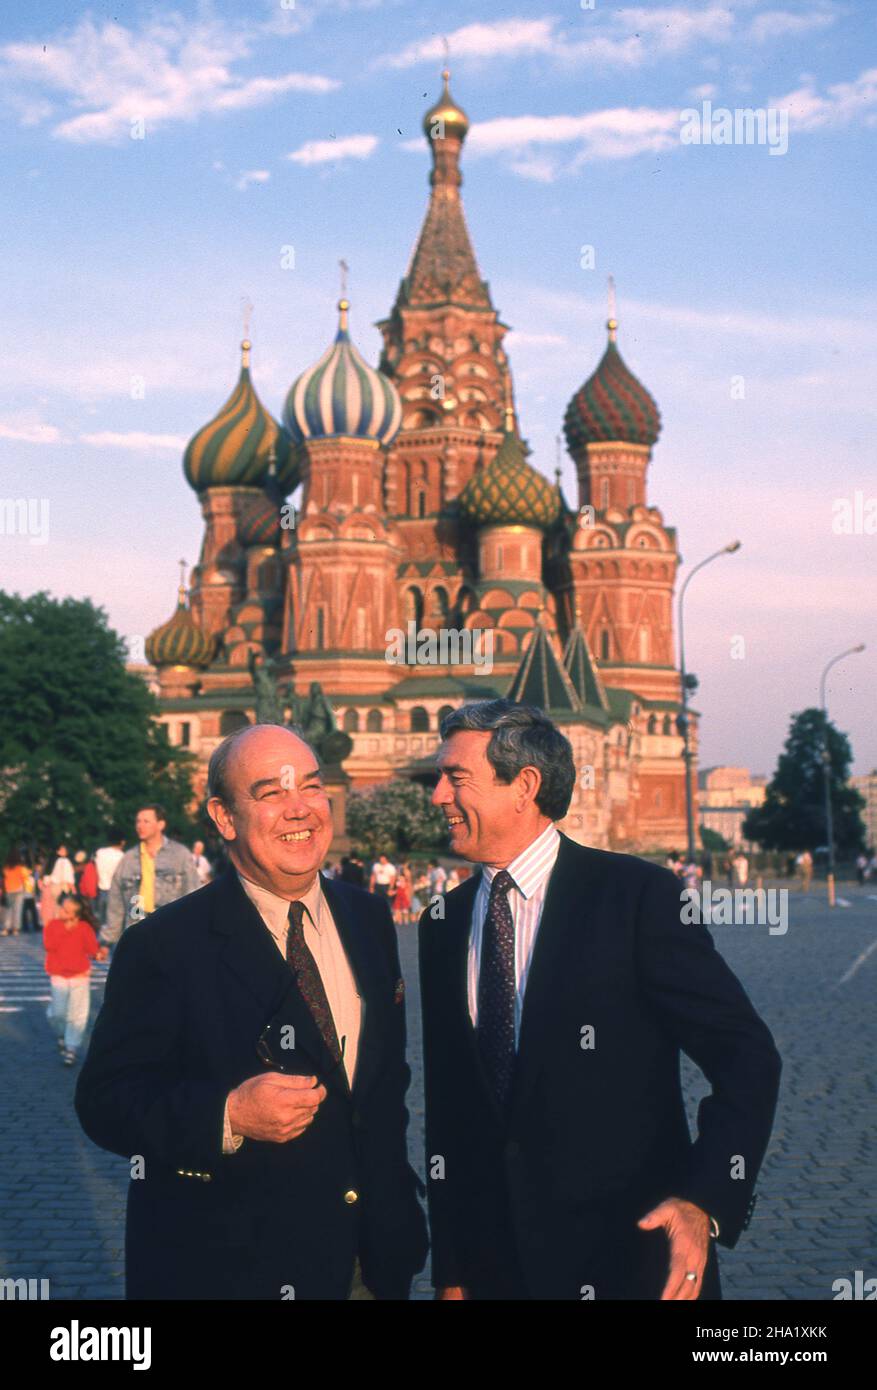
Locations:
(155, 872)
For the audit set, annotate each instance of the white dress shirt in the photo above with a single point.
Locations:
(531, 871)
(324, 943)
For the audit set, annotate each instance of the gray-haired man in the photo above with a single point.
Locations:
(558, 993)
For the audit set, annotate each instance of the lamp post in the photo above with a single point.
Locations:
(683, 723)
(826, 768)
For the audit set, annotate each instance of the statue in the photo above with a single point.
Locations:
(269, 706)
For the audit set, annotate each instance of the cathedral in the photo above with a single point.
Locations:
(421, 515)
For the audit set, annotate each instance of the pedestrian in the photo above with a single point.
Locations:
(691, 874)
(71, 945)
(106, 862)
(437, 877)
(805, 865)
(862, 869)
(13, 890)
(151, 874)
(62, 877)
(383, 877)
(740, 866)
(251, 1048)
(86, 885)
(402, 896)
(420, 893)
(30, 917)
(452, 881)
(673, 862)
(202, 863)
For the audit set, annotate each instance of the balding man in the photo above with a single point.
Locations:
(249, 1061)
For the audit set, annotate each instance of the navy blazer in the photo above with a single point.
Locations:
(189, 991)
(593, 1135)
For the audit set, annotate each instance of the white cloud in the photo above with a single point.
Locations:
(617, 133)
(26, 429)
(702, 93)
(168, 70)
(781, 24)
(251, 176)
(625, 38)
(517, 338)
(843, 102)
(330, 151)
(137, 440)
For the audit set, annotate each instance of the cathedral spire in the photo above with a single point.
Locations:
(443, 268)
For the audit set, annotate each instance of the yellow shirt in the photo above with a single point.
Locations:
(147, 879)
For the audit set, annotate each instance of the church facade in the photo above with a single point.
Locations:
(428, 562)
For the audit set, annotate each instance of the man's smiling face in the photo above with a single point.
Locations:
(481, 812)
(278, 826)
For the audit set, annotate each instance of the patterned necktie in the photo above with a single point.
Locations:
(496, 988)
(309, 980)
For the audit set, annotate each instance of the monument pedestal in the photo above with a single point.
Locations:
(337, 784)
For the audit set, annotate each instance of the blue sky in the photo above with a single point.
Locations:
(268, 126)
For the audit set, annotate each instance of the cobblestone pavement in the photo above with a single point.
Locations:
(62, 1200)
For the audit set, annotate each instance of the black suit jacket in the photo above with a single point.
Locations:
(593, 1137)
(188, 993)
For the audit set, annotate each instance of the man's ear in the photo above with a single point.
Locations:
(222, 818)
(529, 782)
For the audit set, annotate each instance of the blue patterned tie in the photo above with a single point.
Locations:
(496, 988)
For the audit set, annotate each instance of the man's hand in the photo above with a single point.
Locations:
(274, 1107)
(452, 1295)
(688, 1231)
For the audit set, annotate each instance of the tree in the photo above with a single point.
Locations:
(80, 749)
(395, 818)
(793, 814)
(712, 840)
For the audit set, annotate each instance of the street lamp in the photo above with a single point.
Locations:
(683, 722)
(826, 766)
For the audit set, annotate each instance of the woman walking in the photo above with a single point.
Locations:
(14, 871)
(71, 946)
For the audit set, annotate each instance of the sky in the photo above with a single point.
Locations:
(160, 161)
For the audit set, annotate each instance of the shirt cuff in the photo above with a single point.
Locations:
(230, 1142)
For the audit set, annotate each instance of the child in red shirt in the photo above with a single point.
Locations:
(71, 945)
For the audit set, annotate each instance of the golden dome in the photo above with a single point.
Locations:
(450, 118)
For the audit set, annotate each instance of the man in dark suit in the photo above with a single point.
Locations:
(559, 988)
(254, 1181)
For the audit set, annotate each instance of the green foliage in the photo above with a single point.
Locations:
(793, 814)
(395, 818)
(80, 750)
(712, 840)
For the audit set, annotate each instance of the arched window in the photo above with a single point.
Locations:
(440, 601)
(419, 720)
(374, 721)
(420, 503)
(668, 724)
(444, 712)
(653, 724)
(604, 493)
(351, 721)
(604, 645)
(321, 627)
(231, 720)
(413, 605)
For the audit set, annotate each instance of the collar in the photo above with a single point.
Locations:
(145, 851)
(532, 866)
(274, 910)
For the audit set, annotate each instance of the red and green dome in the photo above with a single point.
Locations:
(611, 406)
(509, 492)
(261, 524)
(236, 447)
(179, 641)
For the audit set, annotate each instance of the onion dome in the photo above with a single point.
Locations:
(612, 405)
(342, 395)
(180, 641)
(509, 492)
(453, 118)
(233, 449)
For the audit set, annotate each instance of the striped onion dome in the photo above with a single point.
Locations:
(612, 405)
(261, 524)
(180, 641)
(509, 492)
(342, 395)
(235, 448)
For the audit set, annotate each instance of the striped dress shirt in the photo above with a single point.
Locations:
(531, 871)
